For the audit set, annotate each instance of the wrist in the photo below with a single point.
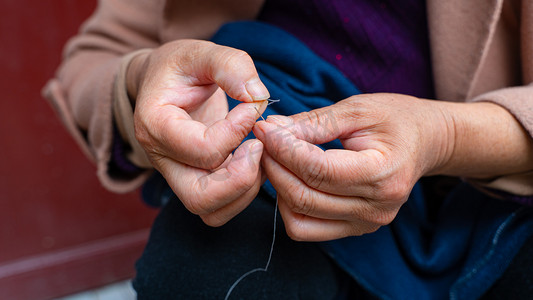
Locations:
(135, 73)
(123, 104)
(440, 137)
(487, 141)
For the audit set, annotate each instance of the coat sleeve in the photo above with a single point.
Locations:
(82, 91)
(518, 100)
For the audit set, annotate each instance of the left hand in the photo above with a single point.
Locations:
(390, 141)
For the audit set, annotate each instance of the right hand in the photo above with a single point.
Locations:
(182, 121)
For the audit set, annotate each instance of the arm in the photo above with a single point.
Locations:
(516, 106)
(82, 91)
(487, 141)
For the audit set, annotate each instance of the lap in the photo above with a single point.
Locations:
(185, 259)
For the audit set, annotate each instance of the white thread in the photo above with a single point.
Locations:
(265, 269)
(272, 101)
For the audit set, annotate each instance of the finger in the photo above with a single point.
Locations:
(307, 201)
(305, 228)
(202, 191)
(317, 126)
(341, 172)
(342, 120)
(173, 134)
(231, 69)
(226, 213)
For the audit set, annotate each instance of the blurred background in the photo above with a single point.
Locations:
(60, 231)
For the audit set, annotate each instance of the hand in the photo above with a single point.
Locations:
(390, 141)
(182, 121)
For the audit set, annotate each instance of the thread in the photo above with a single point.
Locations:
(265, 269)
(271, 101)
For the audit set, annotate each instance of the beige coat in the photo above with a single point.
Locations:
(482, 50)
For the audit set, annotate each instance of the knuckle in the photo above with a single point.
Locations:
(141, 128)
(186, 52)
(356, 212)
(243, 183)
(213, 220)
(374, 214)
(359, 229)
(396, 192)
(311, 116)
(296, 232)
(316, 175)
(300, 200)
(211, 159)
(309, 122)
(384, 218)
(144, 139)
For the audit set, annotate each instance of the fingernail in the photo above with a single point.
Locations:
(257, 90)
(280, 120)
(260, 106)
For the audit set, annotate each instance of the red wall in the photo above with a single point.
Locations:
(60, 231)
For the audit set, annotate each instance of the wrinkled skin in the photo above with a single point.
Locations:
(390, 141)
(336, 193)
